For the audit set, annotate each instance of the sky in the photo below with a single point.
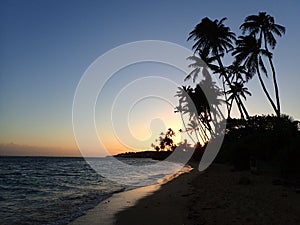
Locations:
(46, 46)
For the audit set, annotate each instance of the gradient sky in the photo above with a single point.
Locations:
(46, 46)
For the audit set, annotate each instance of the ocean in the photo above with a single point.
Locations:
(56, 190)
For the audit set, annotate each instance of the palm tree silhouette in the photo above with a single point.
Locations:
(203, 114)
(193, 102)
(212, 36)
(238, 75)
(263, 27)
(237, 89)
(238, 72)
(249, 53)
(212, 39)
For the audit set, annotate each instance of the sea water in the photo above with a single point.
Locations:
(56, 190)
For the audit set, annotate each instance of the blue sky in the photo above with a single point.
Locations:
(47, 45)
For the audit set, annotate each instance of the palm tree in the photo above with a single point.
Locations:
(200, 65)
(249, 53)
(213, 39)
(186, 106)
(263, 27)
(203, 114)
(237, 89)
(193, 102)
(212, 36)
(238, 75)
(238, 72)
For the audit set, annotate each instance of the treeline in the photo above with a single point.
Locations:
(271, 143)
(156, 155)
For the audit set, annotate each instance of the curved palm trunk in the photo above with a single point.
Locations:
(265, 89)
(203, 131)
(230, 106)
(226, 99)
(241, 111)
(243, 107)
(278, 111)
(237, 98)
(204, 136)
(186, 127)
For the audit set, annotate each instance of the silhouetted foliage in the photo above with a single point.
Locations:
(165, 141)
(213, 40)
(156, 155)
(267, 139)
(202, 114)
(263, 28)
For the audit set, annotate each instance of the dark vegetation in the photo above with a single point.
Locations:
(165, 141)
(269, 143)
(251, 142)
(163, 148)
(156, 155)
(251, 55)
(259, 143)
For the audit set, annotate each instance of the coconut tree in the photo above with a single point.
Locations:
(237, 89)
(264, 28)
(249, 54)
(202, 105)
(212, 36)
(193, 102)
(201, 65)
(238, 75)
(237, 72)
(185, 106)
(213, 39)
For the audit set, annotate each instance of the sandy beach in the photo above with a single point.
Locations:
(216, 196)
(105, 212)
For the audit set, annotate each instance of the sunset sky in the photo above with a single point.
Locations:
(46, 46)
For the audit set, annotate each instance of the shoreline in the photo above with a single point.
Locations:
(216, 196)
(105, 212)
(165, 206)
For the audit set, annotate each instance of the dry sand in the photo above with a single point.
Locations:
(216, 196)
(225, 197)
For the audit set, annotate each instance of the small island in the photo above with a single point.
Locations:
(156, 155)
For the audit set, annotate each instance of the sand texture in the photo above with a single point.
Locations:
(215, 196)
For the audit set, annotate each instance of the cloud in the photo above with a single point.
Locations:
(11, 149)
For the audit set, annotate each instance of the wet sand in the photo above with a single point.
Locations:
(104, 213)
(216, 196)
